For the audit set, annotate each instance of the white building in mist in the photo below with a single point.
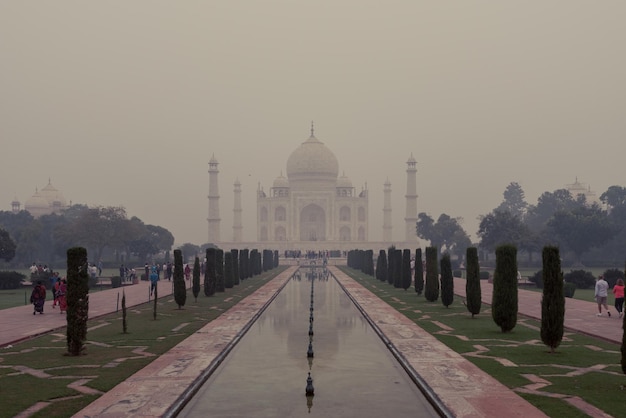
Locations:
(46, 201)
(313, 207)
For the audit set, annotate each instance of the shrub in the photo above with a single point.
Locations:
(116, 281)
(457, 273)
(537, 279)
(93, 282)
(581, 278)
(484, 275)
(569, 289)
(11, 280)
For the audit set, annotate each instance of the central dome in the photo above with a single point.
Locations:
(312, 160)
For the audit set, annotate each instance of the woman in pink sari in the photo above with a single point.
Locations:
(61, 293)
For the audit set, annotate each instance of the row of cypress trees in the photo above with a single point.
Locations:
(391, 267)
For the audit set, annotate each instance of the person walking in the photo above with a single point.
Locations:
(38, 297)
(154, 278)
(62, 296)
(601, 294)
(618, 291)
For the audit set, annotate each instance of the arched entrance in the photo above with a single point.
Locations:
(312, 223)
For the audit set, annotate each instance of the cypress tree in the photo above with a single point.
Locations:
(431, 290)
(228, 270)
(195, 288)
(275, 258)
(473, 293)
(243, 264)
(154, 306)
(180, 288)
(219, 271)
(77, 300)
(209, 272)
(419, 272)
(369, 262)
(124, 323)
(406, 269)
(447, 281)
(235, 254)
(553, 300)
(381, 266)
(397, 269)
(390, 254)
(504, 300)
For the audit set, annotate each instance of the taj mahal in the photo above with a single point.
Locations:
(313, 208)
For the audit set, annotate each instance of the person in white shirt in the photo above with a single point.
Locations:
(601, 294)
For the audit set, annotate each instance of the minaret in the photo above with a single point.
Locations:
(410, 219)
(214, 199)
(237, 226)
(387, 212)
(15, 205)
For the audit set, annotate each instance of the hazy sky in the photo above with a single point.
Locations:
(124, 102)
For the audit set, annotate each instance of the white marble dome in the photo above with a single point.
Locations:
(312, 160)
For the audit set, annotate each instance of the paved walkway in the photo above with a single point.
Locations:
(156, 388)
(19, 323)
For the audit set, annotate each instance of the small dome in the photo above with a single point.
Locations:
(312, 160)
(281, 182)
(344, 181)
(53, 196)
(36, 201)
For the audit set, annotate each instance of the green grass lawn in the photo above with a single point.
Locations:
(601, 383)
(105, 344)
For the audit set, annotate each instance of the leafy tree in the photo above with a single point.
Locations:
(7, 246)
(381, 266)
(581, 229)
(547, 204)
(77, 300)
(99, 228)
(552, 301)
(473, 293)
(209, 272)
(195, 288)
(514, 201)
(615, 196)
(189, 251)
(447, 281)
(431, 291)
(419, 272)
(228, 270)
(180, 288)
(446, 232)
(499, 228)
(406, 269)
(504, 298)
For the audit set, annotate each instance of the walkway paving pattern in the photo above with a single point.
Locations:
(463, 388)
